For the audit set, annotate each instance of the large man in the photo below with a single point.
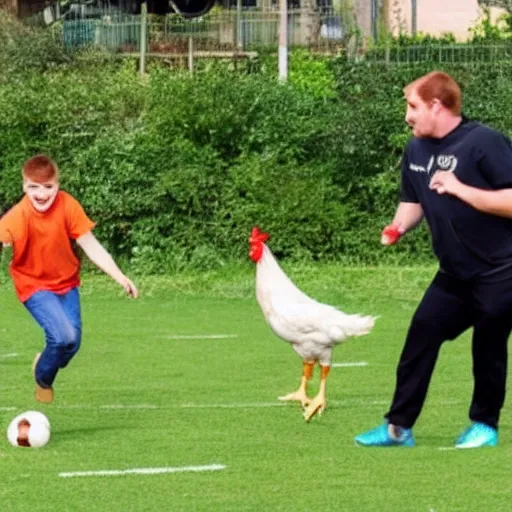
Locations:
(458, 175)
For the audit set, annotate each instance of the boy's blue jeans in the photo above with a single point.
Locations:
(59, 316)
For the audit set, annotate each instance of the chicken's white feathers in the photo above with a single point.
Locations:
(299, 319)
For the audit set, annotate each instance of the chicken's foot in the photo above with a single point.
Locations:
(301, 394)
(319, 403)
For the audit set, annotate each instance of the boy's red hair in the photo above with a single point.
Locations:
(438, 85)
(40, 168)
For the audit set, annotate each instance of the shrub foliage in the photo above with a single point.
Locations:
(177, 169)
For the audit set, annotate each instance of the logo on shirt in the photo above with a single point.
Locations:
(442, 163)
(421, 168)
(446, 163)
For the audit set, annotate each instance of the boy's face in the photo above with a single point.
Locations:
(41, 195)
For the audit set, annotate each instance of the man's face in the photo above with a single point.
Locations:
(421, 116)
(41, 195)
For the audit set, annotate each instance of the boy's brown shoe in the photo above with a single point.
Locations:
(44, 395)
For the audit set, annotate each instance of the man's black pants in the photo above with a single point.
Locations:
(449, 307)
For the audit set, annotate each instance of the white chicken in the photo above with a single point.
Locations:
(311, 327)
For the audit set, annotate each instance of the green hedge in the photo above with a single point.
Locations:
(177, 169)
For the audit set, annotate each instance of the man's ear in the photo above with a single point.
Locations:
(436, 106)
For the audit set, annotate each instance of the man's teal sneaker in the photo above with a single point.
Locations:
(476, 436)
(386, 435)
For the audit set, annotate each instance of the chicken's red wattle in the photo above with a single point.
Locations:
(257, 240)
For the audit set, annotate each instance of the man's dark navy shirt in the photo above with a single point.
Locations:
(467, 242)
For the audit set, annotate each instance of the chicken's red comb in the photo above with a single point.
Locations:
(257, 236)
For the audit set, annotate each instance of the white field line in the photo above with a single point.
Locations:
(348, 365)
(235, 405)
(248, 405)
(128, 406)
(232, 405)
(7, 356)
(144, 471)
(201, 336)
(280, 404)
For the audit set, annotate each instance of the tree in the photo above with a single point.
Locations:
(504, 4)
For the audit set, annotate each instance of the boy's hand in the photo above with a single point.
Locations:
(130, 288)
(391, 234)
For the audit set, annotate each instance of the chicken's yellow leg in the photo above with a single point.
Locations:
(301, 394)
(319, 403)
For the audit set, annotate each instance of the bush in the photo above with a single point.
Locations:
(177, 169)
(28, 49)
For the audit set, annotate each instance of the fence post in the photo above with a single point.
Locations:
(239, 43)
(283, 40)
(190, 53)
(414, 17)
(375, 19)
(143, 37)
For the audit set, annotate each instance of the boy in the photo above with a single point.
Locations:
(45, 269)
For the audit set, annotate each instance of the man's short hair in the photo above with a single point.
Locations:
(438, 85)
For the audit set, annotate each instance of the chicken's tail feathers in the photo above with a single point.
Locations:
(360, 325)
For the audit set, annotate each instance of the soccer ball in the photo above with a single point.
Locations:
(30, 429)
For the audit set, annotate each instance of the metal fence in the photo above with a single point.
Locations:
(230, 32)
(222, 30)
(440, 53)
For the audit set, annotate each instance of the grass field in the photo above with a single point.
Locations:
(139, 396)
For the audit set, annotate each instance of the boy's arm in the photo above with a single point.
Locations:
(103, 260)
(8, 227)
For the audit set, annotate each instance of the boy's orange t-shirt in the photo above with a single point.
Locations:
(43, 257)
